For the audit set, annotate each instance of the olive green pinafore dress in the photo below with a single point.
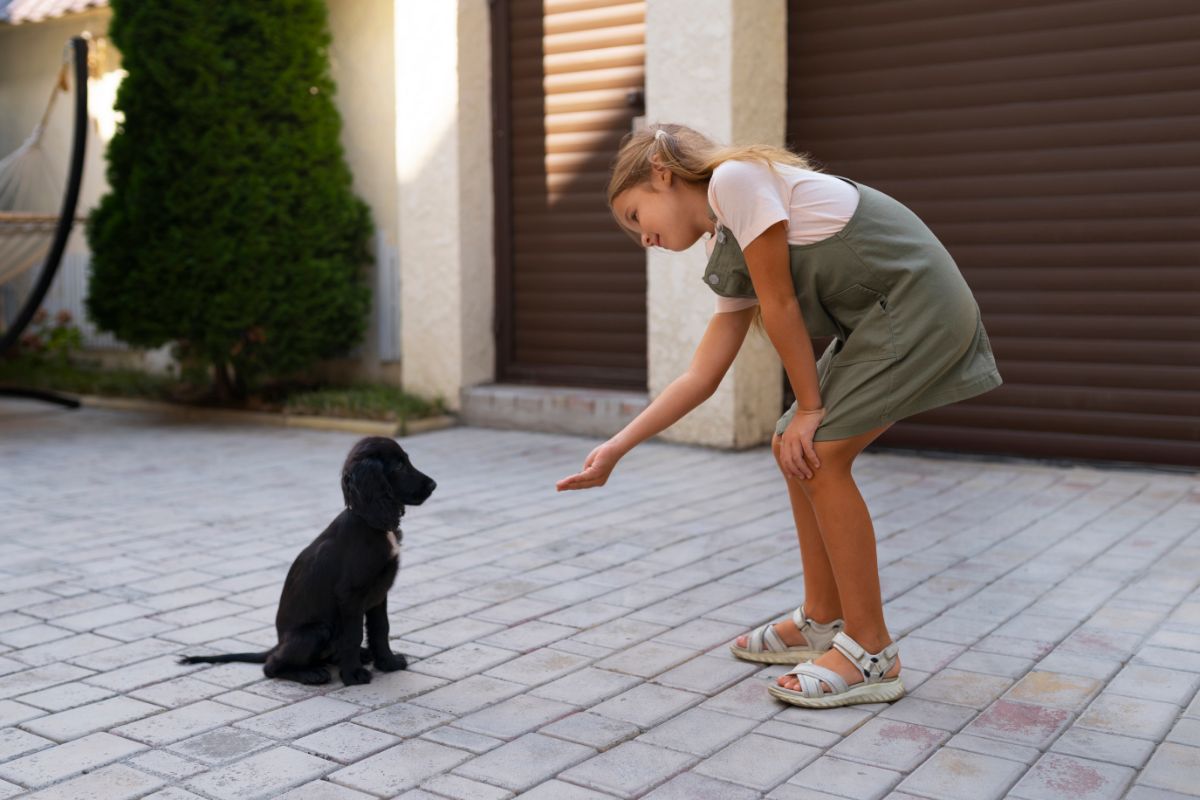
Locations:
(908, 335)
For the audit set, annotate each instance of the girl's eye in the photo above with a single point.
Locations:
(633, 216)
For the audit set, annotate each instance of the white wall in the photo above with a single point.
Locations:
(443, 158)
(363, 67)
(720, 67)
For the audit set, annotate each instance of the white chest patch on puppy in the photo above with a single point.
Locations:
(395, 544)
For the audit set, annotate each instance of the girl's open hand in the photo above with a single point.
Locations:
(596, 469)
(796, 451)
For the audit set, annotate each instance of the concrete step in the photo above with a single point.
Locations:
(551, 409)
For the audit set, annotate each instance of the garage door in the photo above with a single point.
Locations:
(1055, 148)
(571, 288)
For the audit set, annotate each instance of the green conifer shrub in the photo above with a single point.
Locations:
(231, 228)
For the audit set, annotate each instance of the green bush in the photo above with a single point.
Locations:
(231, 228)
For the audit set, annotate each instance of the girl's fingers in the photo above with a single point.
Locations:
(581, 480)
(794, 452)
(801, 462)
(810, 455)
(789, 460)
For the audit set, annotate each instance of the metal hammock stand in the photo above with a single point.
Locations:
(62, 229)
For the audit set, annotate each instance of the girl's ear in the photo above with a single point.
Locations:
(662, 176)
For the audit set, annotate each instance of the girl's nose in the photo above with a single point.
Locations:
(647, 240)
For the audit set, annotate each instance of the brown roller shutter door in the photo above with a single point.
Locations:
(571, 288)
(1055, 148)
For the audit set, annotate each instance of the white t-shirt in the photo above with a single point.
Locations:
(748, 197)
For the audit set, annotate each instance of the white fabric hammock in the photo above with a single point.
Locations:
(27, 180)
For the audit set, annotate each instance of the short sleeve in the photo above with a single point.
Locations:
(748, 198)
(726, 304)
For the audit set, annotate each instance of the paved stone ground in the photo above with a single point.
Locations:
(572, 647)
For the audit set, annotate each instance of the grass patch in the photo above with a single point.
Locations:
(363, 401)
(64, 376)
(360, 401)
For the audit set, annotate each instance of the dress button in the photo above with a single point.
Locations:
(714, 279)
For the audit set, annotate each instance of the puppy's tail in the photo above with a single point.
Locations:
(249, 658)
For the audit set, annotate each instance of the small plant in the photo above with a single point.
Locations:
(55, 340)
(363, 401)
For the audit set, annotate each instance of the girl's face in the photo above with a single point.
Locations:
(665, 211)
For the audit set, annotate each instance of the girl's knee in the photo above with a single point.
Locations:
(832, 472)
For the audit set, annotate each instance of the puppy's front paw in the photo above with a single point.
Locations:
(391, 662)
(313, 677)
(354, 678)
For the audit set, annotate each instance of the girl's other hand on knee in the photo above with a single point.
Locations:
(596, 469)
(797, 455)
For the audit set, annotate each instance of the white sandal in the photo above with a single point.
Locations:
(874, 689)
(764, 645)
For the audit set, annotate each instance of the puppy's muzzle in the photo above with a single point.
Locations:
(426, 489)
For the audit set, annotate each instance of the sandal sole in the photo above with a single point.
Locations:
(883, 692)
(790, 656)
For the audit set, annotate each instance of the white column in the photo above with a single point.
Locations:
(719, 66)
(444, 171)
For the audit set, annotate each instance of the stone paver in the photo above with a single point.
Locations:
(629, 769)
(53, 764)
(1056, 775)
(573, 647)
(1173, 768)
(262, 775)
(345, 743)
(951, 774)
(525, 762)
(592, 730)
(757, 761)
(844, 778)
(890, 743)
(114, 782)
(647, 705)
(400, 767)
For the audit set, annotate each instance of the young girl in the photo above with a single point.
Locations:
(817, 256)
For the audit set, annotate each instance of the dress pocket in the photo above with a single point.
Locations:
(865, 325)
(726, 273)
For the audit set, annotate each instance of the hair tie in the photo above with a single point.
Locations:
(660, 134)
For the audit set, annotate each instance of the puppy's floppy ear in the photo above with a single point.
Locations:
(369, 495)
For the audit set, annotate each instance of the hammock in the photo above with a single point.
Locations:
(32, 238)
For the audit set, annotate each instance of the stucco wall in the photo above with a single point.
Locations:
(443, 157)
(718, 66)
(362, 61)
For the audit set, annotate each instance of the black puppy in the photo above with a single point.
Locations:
(345, 575)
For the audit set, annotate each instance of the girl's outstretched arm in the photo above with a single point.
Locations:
(720, 344)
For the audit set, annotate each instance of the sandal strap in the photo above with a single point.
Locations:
(798, 618)
(872, 665)
(774, 641)
(764, 639)
(810, 676)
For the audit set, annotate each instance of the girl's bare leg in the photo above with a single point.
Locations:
(848, 536)
(821, 601)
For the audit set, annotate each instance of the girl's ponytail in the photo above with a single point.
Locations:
(689, 154)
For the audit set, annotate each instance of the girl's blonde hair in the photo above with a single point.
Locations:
(689, 154)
